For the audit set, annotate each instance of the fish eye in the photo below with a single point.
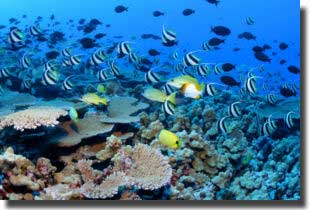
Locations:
(177, 142)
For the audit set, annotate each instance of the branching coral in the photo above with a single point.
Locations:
(32, 118)
(142, 167)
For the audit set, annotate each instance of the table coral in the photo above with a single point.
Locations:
(32, 118)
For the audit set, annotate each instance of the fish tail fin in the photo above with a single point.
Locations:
(103, 101)
(171, 98)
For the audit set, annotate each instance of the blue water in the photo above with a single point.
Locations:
(276, 21)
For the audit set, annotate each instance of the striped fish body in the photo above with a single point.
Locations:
(27, 84)
(250, 85)
(210, 90)
(218, 69)
(203, 70)
(97, 58)
(206, 46)
(4, 73)
(114, 69)
(24, 62)
(123, 49)
(15, 36)
(66, 52)
(289, 120)
(233, 110)
(168, 89)
(151, 77)
(190, 60)
(168, 37)
(102, 75)
(267, 129)
(49, 78)
(168, 108)
(67, 84)
(221, 126)
(249, 21)
(271, 99)
(35, 31)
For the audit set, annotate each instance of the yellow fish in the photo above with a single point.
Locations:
(169, 139)
(191, 90)
(93, 98)
(178, 82)
(101, 88)
(154, 94)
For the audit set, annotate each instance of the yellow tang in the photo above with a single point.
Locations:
(93, 98)
(178, 82)
(169, 139)
(154, 94)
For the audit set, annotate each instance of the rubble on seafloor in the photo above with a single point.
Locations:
(98, 157)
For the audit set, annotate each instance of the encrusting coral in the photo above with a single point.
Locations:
(32, 118)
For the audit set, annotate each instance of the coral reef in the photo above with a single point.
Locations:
(84, 128)
(32, 118)
(122, 109)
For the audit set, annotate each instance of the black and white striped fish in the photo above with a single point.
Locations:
(233, 110)
(249, 21)
(49, 66)
(168, 107)
(67, 84)
(114, 69)
(24, 62)
(289, 120)
(35, 31)
(97, 58)
(72, 61)
(168, 37)
(15, 36)
(151, 77)
(266, 129)
(50, 77)
(206, 46)
(123, 48)
(27, 83)
(168, 89)
(210, 89)
(250, 84)
(203, 70)
(271, 99)
(221, 126)
(190, 59)
(133, 58)
(66, 52)
(218, 69)
(4, 73)
(102, 75)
